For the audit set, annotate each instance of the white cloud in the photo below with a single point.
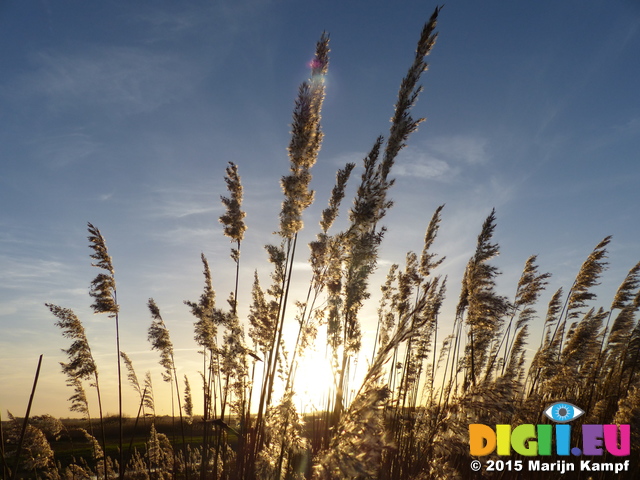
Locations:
(467, 149)
(424, 166)
(442, 158)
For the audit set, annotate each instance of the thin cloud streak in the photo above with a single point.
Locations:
(116, 80)
(64, 149)
(467, 149)
(426, 167)
(18, 270)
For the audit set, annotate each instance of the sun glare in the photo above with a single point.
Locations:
(314, 382)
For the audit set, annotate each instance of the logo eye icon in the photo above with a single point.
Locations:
(563, 412)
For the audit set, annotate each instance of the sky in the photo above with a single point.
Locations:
(125, 114)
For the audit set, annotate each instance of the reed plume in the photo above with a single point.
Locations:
(306, 139)
(305, 143)
(528, 290)
(233, 220)
(103, 290)
(206, 330)
(188, 401)
(158, 335)
(484, 308)
(79, 402)
(360, 242)
(81, 365)
(147, 398)
(34, 451)
(103, 286)
(131, 373)
(356, 449)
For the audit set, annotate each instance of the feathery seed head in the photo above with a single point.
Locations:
(530, 284)
(79, 402)
(131, 373)
(337, 194)
(205, 328)
(147, 396)
(429, 261)
(402, 124)
(158, 335)
(233, 219)
(306, 138)
(625, 292)
(587, 278)
(81, 363)
(98, 245)
(103, 287)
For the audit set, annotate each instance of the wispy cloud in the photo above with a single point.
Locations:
(181, 201)
(172, 22)
(442, 158)
(120, 80)
(182, 235)
(422, 165)
(18, 271)
(193, 17)
(467, 149)
(348, 157)
(181, 208)
(632, 127)
(64, 149)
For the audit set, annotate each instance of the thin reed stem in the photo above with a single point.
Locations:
(25, 422)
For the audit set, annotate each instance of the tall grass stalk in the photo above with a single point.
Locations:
(233, 221)
(6, 472)
(81, 366)
(306, 139)
(103, 290)
(25, 422)
(158, 335)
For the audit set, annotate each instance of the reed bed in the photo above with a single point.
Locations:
(409, 418)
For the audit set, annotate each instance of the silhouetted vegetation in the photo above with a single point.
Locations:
(409, 418)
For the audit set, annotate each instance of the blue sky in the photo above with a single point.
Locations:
(125, 114)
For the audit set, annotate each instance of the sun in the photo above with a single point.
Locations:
(314, 382)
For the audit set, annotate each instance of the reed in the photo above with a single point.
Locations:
(428, 377)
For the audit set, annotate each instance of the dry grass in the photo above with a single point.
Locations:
(410, 417)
